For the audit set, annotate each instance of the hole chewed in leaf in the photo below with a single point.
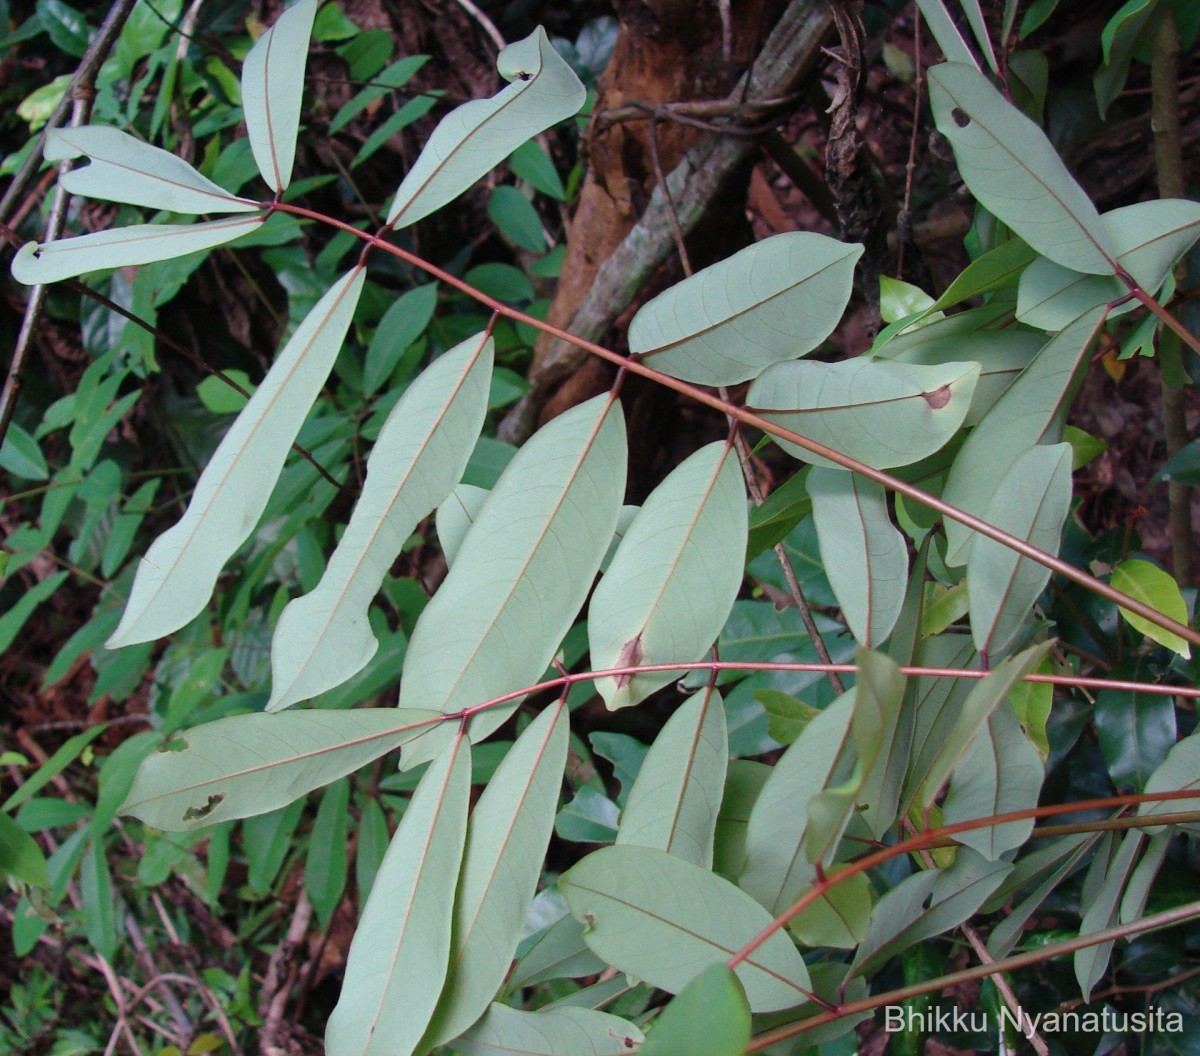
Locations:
(174, 744)
(961, 117)
(196, 813)
(630, 656)
(938, 398)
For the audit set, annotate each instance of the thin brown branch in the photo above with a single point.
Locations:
(1167, 918)
(1168, 157)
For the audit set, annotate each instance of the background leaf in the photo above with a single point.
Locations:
(1149, 583)
(325, 864)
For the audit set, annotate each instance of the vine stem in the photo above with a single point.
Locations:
(1077, 682)
(1179, 915)
(755, 421)
(939, 836)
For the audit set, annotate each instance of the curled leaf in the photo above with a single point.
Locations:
(473, 139)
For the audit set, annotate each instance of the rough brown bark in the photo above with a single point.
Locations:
(667, 51)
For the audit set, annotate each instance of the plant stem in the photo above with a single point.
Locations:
(1169, 917)
(1168, 157)
(941, 836)
(746, 417)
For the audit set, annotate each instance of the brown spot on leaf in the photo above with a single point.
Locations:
(938, 398)
(629, 656)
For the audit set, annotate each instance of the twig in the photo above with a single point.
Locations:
(1006, 991)
(1168, 157)
(275, 985)
(118, 996)
(484, 23)
(85, 78)
(1180, 915)
(904, 220)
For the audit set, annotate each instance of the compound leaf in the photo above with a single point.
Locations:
(865, 555)
(473, 139)
(675, 799)
(125, 169)
(244, 765)
(176, 577)
(672, 582)
(1010, 166)
(773, 301)
(273, 89)
(880, 412)
(324, 638)
(401, 950)
(124, 247)
(506, 843)
(1031, 502)
(662, 919)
